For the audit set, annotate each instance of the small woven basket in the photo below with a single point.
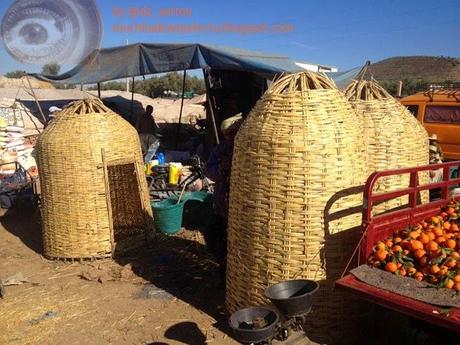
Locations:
(295, 197)
(394, 138)
(93, 192)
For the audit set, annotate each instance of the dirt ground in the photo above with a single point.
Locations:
(168, 293)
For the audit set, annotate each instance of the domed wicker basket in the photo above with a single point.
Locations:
(296, 196)
(94, 195)
(394, 137)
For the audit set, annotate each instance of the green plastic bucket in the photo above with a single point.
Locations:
(167, 214)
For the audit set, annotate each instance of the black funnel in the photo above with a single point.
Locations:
(292, 297)
(253, 325)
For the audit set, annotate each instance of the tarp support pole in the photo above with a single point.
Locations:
(181, 108)
(132, 102)
(210, 106)
(99, 90)
(45, 122)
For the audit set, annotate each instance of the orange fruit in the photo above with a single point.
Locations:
(441, 239)
(446, 225)
(397, 248)
(411, 270)
(381, 254)
(434, 269)
(402, 272)
(454, 227)
(451, 263)
(406, 252)
(437, 232)
(397, 239)
(419, 276)
(419, 253)
(451, 244)
(380, 246)
(431, 235)
(443, 270)
(414, 234)
(414, 245)
(450, 210)
(391, 267)
(389, 243)
(435, 220)
(457, 278)
(455, 255)
(399, 265)
(423, 238)
(457, 286)
(432, 246)
(449, 284)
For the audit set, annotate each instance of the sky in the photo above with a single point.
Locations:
(338, 33)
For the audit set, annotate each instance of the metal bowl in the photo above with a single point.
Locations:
(239, 319)
(292, 297)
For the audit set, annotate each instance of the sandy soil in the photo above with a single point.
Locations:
(167, 293)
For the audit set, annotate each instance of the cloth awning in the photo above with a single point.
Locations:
(144, 58)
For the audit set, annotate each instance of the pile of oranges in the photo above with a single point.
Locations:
(429, 251)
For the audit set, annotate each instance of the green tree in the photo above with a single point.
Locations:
(51, 69)
(15, 74)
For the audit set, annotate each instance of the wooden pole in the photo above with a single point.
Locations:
(210, 105)
(99, 90)
(132, 102)
(400, 85)
(36, 102)
(181, 108)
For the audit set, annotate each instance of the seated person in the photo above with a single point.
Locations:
(147, 129)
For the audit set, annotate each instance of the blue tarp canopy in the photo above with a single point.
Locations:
(144, 59)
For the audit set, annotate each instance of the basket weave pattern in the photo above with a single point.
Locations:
(394, 137)
(86, 151)
(297, 174)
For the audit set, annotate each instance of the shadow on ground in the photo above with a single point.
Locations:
(24, 223)
(183, 267)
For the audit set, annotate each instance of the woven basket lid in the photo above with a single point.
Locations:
(296, 159)
(73, 155)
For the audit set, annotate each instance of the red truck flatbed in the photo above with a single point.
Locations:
(378, 227)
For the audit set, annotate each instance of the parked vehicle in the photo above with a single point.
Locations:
(439, 112)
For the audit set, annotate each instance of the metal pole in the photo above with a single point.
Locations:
(36, 102)
(132, 101)
(211, 108)
(181, 108)
(99, 90)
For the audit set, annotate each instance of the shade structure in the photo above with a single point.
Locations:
(94, 198)
(295, 196)
(394, 138)
(142, 59)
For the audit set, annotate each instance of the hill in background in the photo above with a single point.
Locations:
(416, 72)
(434, 69)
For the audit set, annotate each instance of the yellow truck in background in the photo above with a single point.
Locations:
(439, 112)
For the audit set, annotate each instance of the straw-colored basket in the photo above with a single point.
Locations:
(295, 196)
(94, 196)
(394, 138)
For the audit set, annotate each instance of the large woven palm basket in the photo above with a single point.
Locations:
(295, 197)
(394, 138)
(92, 190)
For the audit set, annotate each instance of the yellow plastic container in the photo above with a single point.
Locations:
(174, 174)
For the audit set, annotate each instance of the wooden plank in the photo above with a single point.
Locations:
(401, 304)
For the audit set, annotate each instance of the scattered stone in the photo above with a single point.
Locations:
(16, 279)
(151, 291)
(45, 316)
